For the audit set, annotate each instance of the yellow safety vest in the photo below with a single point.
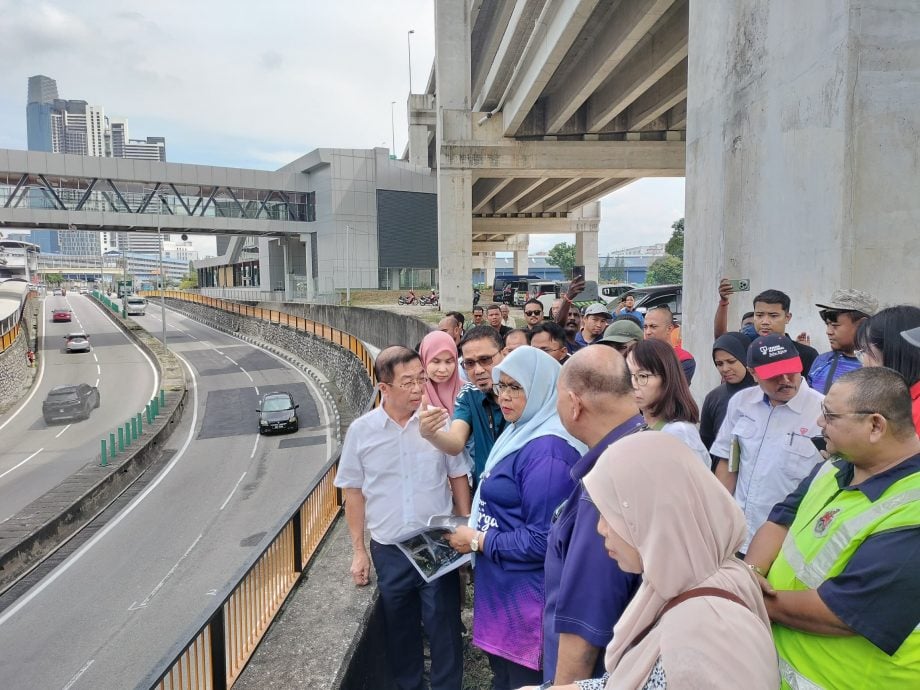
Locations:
(827, 529)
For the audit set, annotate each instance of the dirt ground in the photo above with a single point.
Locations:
(386, 299)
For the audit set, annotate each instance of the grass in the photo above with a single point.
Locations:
(386, 299)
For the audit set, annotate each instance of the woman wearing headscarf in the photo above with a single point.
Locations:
(729, 354)
(439, 357)
(526, 476)
(669, 519)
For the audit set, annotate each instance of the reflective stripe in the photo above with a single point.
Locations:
(815, 572)
(794, 679)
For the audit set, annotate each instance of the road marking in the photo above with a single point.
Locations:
(58, 435)
(96, 385)
(135, 606)
(99, 370)
(95, 357)
(77, 675)
(79, 553)
(218, 351)
(235, 487)
(247, 373)
(21, 463)
(257, 389)
(254, 446)
(236, 363)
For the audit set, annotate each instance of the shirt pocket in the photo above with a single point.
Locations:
(801, 457)
(430, 470)
(745, 428)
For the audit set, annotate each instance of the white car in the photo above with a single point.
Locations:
(76, 342)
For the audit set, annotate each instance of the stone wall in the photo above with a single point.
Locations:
(15, 374)
(341, 366)
(377, 327)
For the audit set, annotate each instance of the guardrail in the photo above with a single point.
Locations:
(11, 324)
(217, 649)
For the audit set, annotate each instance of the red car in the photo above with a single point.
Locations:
(59, 315)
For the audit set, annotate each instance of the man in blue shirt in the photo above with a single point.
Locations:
(842, 315)
(585, 589)
(628, 309)
(477, 415)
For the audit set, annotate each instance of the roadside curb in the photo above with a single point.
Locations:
(45, 524)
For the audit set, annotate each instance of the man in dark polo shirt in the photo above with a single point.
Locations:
(494, 318)
(585, 589)
(477, 415)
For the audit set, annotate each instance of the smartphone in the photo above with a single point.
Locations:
(741, 284)
(820, 443)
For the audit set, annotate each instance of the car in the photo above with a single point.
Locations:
(57, 292)
(500, 294)
(61, 315)
(616, 290)
(84, 291)
(73, 401)
(278, 412)
(76, 342)
(670, 296)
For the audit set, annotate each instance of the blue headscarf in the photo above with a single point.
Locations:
(537, 374)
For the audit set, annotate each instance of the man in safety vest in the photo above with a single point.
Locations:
(839, 558)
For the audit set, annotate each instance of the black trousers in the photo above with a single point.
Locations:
(408, 602)
(507, 675)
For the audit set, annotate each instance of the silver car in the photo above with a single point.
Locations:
(76, 342)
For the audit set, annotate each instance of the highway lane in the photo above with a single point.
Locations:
(118, 604)
(35, 456)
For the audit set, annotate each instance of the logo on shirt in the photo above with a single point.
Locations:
(825, 521)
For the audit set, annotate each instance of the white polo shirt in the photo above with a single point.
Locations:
(402, 476)
(776, 448)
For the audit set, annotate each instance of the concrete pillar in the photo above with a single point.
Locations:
(802, 157)
(454, 123)
(521, 265)
(586, 253)
(488, 264)
(418, 145)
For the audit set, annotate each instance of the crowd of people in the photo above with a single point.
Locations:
(623, 536)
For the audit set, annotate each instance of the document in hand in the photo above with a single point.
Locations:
(429, 551)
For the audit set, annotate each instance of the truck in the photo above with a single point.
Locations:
(125, 287)
(135, 305)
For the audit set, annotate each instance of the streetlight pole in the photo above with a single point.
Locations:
(124, 284)
(409, 44)
(393, 125)
(347, 268)
(162, 285)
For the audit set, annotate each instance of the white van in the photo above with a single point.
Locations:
(135, 305)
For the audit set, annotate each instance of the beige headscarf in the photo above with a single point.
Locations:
(686, 527)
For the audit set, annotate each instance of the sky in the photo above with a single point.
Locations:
(256, 85)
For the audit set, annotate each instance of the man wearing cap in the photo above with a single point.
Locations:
(629, 309)
(593, 323)
(622, 335)
(764, 446)
(841, 316)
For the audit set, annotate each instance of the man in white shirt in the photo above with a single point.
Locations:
(764, 446)
(394, 481)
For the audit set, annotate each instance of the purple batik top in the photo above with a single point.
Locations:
(518, 497)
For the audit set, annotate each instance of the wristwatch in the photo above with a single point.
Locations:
(474, 543)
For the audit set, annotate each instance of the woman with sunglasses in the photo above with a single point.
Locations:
(663, 395)
(527, 475)
(880, 344)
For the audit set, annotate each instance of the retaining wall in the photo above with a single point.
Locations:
(15, 373)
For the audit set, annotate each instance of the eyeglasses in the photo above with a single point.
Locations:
(829, 416)
(641, 378)
(548, 349)
(412, 383)
(533, 313)
(831, 316)
(484, 361)
(512, 389)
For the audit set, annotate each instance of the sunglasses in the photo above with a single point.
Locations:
(533, 313)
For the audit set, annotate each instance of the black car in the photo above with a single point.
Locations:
(670, 296)
(70, 402)
(278, 412)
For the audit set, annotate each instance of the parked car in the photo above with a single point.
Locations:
(610, 291)
(57, 292)
(501, 282)
(61, 315)
(76, 342)
(278, 412)
(70, 402)
(670, 296)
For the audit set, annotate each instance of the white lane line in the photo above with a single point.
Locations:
(233, 491)
(95, 357)
(218, 351)
(257, 390)
(77, 675)
(247, 374)
(58, 435)
(36, 386)
(99, 370)
(236, 363)
(135, 606)
(21, 463)
(79, 553)
(254, 446)
(97, 383)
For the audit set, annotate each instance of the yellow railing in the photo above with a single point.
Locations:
(219, 649)
(8, 338)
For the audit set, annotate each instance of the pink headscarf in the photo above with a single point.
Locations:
(441, 394)
(655, 493)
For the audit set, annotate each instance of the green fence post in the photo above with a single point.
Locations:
(133, 428)
(147, 412)
(162, 397)
(128, 438)
(105, 460)
(140, 425)
(112, 444)
(121, 440)
(156, 407)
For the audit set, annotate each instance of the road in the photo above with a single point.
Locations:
(35, 456)
(120, 602)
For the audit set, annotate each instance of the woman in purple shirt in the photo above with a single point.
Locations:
(526, 476)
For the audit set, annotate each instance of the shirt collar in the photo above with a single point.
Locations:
(586, 462)
(383, 417)
(877, 484)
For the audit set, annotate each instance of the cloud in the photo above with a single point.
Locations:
(271, 60)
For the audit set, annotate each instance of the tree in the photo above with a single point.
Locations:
(54, 278)
(675, 245)
(616, 272)
(665, 271)
(190, 279)
(563, 256)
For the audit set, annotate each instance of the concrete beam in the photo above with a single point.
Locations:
(596, 193)
(670, 90)
(677, 116)
(567, 158)
(653, 58)
(534, 226)
(634, 19)
(586, 253)
(512, 244)
(489, 30)
(556, 30)
(485, 188)
(535, 200)
(561, 201)
(519, 188)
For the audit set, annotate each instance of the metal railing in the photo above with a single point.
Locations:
(218, 649)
